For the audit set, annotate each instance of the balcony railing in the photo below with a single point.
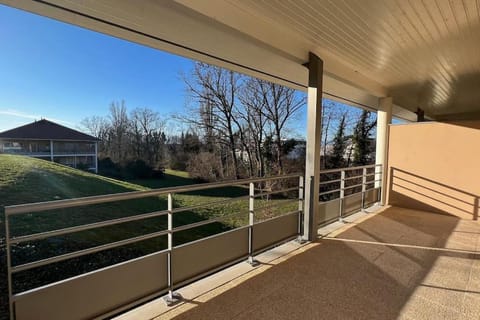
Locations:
(348, 190)
(28, 153)
(159, 273)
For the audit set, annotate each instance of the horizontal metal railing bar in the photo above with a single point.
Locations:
(352, 178)
(106, 223)
(68, 203)
(48, 234)
(262, 194)
(278, 204)
(373, 174)
(331, 181)
(79, 253)
(209, 204)
(349, 168)
(354, 186)
(328, 192)
(196, 224)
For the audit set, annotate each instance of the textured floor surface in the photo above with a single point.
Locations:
(398, 264)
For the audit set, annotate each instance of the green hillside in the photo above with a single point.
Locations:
(27, 180)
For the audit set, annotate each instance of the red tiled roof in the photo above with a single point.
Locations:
(46, 130)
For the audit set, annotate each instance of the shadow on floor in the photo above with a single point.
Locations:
(426, 274)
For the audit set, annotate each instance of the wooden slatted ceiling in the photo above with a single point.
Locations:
(426, 52)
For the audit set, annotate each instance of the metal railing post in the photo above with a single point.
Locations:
(172, 297)
(380, 178)
(300, 209)
(383, 184)
(364, 187)
(251, 221)
(9, 267)
(342, 195)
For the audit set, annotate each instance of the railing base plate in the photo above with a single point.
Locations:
(172, 300)
(253, 262)
(300, 240)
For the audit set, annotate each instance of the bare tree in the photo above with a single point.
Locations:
(146, 129)
(215, 89)
(95, 126)
(280, 104)
(254, 102)
(118, 133)
(99, 128)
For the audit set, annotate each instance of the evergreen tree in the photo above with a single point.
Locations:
(361, 138)
(339, 145)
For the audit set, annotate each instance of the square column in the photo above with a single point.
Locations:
(51, 150)
(384, 119)
(314, 136)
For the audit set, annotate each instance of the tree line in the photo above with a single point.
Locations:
(244, 122)
(235, 126)
(132, 144)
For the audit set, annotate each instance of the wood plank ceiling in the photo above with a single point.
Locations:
(425, 52)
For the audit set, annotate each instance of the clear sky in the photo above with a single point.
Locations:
(65, 73)
(53, 70)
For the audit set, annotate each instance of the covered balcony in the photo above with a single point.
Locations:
(396, 264)
(413, 255)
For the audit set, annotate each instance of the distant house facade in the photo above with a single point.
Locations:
(50, 141)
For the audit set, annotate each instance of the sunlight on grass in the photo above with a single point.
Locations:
(27, 180)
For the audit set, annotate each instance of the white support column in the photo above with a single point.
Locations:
(384, 119)
(314, 136)
(51, 150)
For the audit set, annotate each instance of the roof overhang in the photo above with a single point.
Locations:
(250, 37)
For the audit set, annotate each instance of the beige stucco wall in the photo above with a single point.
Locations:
(435, 166)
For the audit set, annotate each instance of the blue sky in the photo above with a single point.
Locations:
(65, 73)
(52, 70)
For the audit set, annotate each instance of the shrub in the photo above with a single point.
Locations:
(138, 169)
(106, 167)
(205, 166)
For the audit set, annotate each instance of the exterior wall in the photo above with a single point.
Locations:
(71, 153)
(435, 166)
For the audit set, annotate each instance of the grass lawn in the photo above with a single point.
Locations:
(26, 180)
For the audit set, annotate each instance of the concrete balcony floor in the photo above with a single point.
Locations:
(393, 264)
